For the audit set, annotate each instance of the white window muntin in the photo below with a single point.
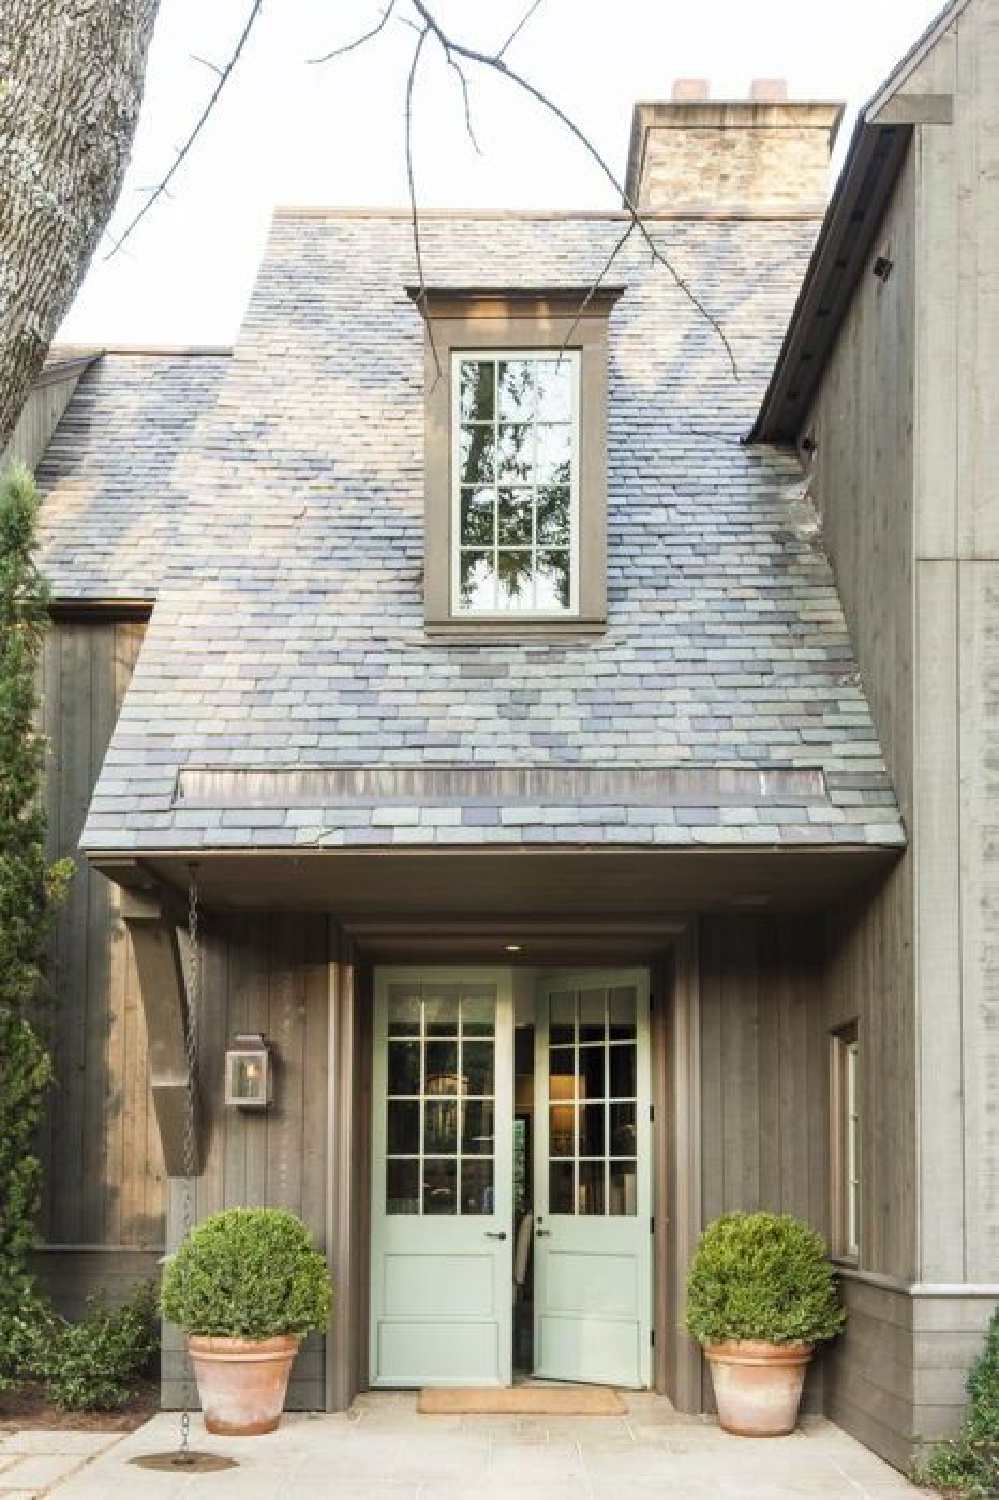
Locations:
(851, 1164)
(553, 356)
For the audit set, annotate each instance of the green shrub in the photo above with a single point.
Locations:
(762, 1276)
(250, 1273)
(91, 1365)
(969, 1465)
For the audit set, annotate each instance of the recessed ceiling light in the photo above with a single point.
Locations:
(513, 947)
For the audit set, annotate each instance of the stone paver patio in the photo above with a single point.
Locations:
(384, 1448)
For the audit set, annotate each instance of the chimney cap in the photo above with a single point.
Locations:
(768, 91)
(690, 90)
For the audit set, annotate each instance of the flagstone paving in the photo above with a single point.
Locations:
(383, 1448)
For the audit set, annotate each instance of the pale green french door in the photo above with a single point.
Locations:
(593, 1179)
(442, 1177)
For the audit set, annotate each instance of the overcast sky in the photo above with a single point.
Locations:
(287, 131)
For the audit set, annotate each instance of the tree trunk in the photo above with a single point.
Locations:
(71, 79)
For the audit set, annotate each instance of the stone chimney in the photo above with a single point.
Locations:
(763, 157)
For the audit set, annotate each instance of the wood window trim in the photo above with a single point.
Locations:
(477, 318)
(842, 1040)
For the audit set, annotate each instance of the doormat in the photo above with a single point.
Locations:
(522, 1401)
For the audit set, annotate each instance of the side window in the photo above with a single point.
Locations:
(846, 1145)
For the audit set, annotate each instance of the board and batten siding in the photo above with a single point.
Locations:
(763, 1061)
(271, 973)
(102, 1222)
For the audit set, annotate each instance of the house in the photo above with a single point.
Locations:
(591, 807)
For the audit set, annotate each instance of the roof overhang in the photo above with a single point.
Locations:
(502, 883)
(874, 159)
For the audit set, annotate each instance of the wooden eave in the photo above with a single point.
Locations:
(848, 231)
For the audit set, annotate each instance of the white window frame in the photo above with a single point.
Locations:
(458, 612)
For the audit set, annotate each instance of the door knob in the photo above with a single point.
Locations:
(495, 1234)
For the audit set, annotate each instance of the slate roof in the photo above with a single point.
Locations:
(287, 694)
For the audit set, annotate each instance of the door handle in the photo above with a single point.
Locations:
(495, 1234)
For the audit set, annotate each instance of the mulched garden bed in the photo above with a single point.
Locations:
(28, 1407)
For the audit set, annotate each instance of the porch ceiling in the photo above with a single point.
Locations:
(504, 883)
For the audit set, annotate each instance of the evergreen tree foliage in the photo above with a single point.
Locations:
(30, 891)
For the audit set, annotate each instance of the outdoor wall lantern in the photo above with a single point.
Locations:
(249, 1072)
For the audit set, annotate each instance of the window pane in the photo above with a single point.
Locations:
(623, 1130)
(478, 455)
(553, 514)
(562, 1073)
(623, 1188)
(478, 518)
(403, 1012)
(591, 1187)
(440, 1127)
(477, 1128)
(592, 1012)
(560, 1183)
(403, 1067)
(477, 381)
(553, 382)
(402, 1192)
(553, 589)
(403, 1127)
(515, 383)
(562, 1130)
(515, 575)
(514, 512)
(477, 1067)
(515, 454)
(591, 1129)
(554, 452)
(478, 580)
(477, 1186)
(563, 1017)
(442, 1068)
(440, 1187)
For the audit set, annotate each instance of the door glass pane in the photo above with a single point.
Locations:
(592, 1026)
(477, 1128)
(477, 1067)
(622, 1008)
(477, 1015)
(623, 1130)
(623, 1072)
(440, 1186)
(623, 1188)
(403, 1067)
(591, 1129)
(403, 1012)
(591, 1187)
(562, 1073)
(402, 1187)
(440, 1012)
(403, 1137)
(442, 1068)
(560, 1182)
(562, 1130)
(592, 1072)
(563, 1018)
(477, 1185)
(440, 1127)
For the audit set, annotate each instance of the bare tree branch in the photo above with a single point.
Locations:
(360, 40)
(497, 64)
(421, 300)
(515, 33)
(469, 128)
(225, 73)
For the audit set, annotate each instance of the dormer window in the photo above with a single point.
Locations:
(516, 462)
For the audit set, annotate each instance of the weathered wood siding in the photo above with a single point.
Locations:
(103, 1175)
(269, 973)
(38, 420)
(763, 1073)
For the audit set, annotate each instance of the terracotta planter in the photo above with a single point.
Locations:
(242, 1382)
(758, 1385)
